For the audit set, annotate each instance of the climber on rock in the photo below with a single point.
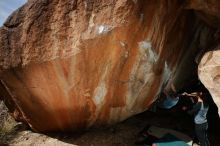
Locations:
(199, 111)
(171, 98)
(167, 99)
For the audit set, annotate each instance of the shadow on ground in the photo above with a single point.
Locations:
(121, 134)
(126, 133)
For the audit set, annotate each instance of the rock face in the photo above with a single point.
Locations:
(208, 11)
(73, 64)
(209, 73)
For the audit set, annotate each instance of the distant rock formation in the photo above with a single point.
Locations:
(72, 64)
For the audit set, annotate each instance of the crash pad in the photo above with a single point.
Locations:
(169, 140)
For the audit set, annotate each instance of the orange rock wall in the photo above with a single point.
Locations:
(74, 64)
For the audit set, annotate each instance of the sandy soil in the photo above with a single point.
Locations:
(121, 134)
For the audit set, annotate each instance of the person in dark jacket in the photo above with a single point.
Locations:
(199, 111)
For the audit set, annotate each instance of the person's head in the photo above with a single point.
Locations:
(174, 95)
(171, 92)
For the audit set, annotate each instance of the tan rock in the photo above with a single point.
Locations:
(209, 73)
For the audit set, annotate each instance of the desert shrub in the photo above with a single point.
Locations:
(7, 123)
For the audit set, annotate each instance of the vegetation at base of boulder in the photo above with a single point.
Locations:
(7, 123)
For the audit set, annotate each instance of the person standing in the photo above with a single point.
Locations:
(200, 110)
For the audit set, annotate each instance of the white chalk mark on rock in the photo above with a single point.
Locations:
(146, 48)
(122, 44)
(102, 29)
(100, 93)
(141, 17)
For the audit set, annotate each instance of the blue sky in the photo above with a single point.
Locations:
(7, 7)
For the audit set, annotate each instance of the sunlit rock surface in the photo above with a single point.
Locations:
(73, 64)
(209, 73)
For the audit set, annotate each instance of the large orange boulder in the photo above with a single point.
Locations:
(73, 64)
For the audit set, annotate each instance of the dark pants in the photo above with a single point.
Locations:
(201, 133)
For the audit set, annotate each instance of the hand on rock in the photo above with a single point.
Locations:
(184, 93)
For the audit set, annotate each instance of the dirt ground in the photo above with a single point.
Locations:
(121, 134)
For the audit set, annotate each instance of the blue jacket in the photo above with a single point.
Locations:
(199, 111)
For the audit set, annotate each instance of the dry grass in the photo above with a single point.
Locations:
(7, 123)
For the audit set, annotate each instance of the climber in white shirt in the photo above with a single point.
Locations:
(199, 111)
